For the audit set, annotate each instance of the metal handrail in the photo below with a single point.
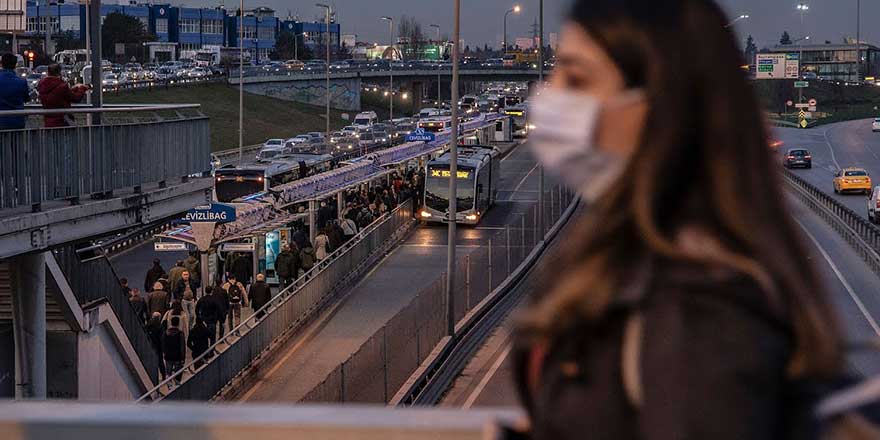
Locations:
(128, 108)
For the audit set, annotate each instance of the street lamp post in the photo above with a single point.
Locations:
(858, 41)
(802, 8)
(321, 5)
(391, 69)
(240, 81)
(439, 52)
(453, 176)
(735, 20)
(541, 81)
(515, 9)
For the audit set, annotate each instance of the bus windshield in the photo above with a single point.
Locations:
(232, 184)
(437, 188)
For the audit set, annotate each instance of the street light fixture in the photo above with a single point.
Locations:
(737, 19)
(391, 67)
(802, 8)
(514, 9)
(327, 7)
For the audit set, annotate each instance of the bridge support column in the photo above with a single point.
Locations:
(28, 273)
(417, 92)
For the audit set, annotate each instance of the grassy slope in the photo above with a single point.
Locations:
(264, 117)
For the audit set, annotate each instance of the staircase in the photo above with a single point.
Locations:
(54, 317)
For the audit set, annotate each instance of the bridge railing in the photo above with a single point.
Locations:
(133, 146)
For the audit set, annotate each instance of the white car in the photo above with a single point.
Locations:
(874, 205)
(876, 125)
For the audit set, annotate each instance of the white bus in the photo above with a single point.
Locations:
(478, 174)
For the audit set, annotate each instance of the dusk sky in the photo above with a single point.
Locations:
(482, 19)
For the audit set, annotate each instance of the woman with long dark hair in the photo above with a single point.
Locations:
(685, 306)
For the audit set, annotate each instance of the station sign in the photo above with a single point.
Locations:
(238, 247)
(420, 135)
(172, 246)
(213, 213)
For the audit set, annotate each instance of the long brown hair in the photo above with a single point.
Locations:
(703, 161)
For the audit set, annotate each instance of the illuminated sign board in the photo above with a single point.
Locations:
(447, 173)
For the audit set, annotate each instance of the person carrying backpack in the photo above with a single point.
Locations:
(307, 257)
(237, 296)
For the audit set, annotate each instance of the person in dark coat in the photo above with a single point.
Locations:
(684, 304)
(260, 293)
(241, 268)
(158, 300)
(154, 274)
(55, 93)
(286, 269)
(199, 340)
(174, 348)
(14, 93)
(209, 310)
(154, 331)
(138, 305)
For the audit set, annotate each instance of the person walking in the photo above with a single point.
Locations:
(178, 312)
(285, 267)
(193, 266)
(307, 257)
(155, 332)
(209, 310)
(157, 300)
(14, 93)
(198, 341)
(174, 349)
(138, 305)
(186, 292)
(55, 93)
(684, 304)
(260, 293)
(154, 274)
(349, 228)
(322, 245)
(242, 267)
(237, 297)
(175, 273)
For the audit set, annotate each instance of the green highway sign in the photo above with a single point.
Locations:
(801, 84)
(765, 68)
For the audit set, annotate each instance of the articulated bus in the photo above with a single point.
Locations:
(436, 124)
(231, 183)
(479, 173)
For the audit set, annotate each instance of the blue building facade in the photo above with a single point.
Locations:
(190, 28)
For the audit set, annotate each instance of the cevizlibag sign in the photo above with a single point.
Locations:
(215, 213)
(420, 135)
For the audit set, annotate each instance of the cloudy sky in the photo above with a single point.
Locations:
(482, 19)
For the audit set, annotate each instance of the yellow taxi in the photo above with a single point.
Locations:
(852, 179)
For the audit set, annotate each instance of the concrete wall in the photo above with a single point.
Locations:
(103, 373)
(61, 365)
(345, 93)
(7, 362)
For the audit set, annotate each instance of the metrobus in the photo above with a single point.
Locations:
(231, 183)
(436, 124)
(478, 174)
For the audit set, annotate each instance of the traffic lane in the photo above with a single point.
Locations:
(835, 146)
(382, 293)
(849, 281)
(134, 263)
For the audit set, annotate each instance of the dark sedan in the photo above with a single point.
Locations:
(798, 157)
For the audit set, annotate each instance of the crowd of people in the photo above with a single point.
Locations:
(53, 90)
(180, 315)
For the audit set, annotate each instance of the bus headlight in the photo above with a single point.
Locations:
(425, 214)
(471, 217)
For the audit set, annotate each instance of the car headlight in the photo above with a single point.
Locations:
(426, 214)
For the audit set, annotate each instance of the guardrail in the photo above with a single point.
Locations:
(208, 374)
(280, 73)
(415, 336)
(150, 144)
(151, 84)
(862, 236)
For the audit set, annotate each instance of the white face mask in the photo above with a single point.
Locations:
(563, 139)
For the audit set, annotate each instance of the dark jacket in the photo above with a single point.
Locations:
(713, 361)
(193, 266)
(139, 306)
(155, 331)
(210, 309)
(13, 94)
(259, 295)
(173, 345)
(242, 267)
(179, 289)
(153, 275)
(55, 93)
(157, 301)
(198, 341)
(285, 264)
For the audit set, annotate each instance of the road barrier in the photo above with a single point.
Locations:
(386, 361)
(135, 146)
(207, 375)
(862, 236)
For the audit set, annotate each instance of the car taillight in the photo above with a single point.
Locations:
(808, 157)
(791, 157)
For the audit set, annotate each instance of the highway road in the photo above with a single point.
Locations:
(416, 263)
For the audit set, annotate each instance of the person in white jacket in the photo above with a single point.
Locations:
(322, 245)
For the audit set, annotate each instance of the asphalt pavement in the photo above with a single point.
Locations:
(412, 266)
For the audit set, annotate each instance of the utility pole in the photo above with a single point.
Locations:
(391, 68)
(859, 40)
(439, 54)
(94, 21)
(320, 5)
(453, 176)
(540, 83)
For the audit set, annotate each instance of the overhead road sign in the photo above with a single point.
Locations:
(777, 66)
(801, 84)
